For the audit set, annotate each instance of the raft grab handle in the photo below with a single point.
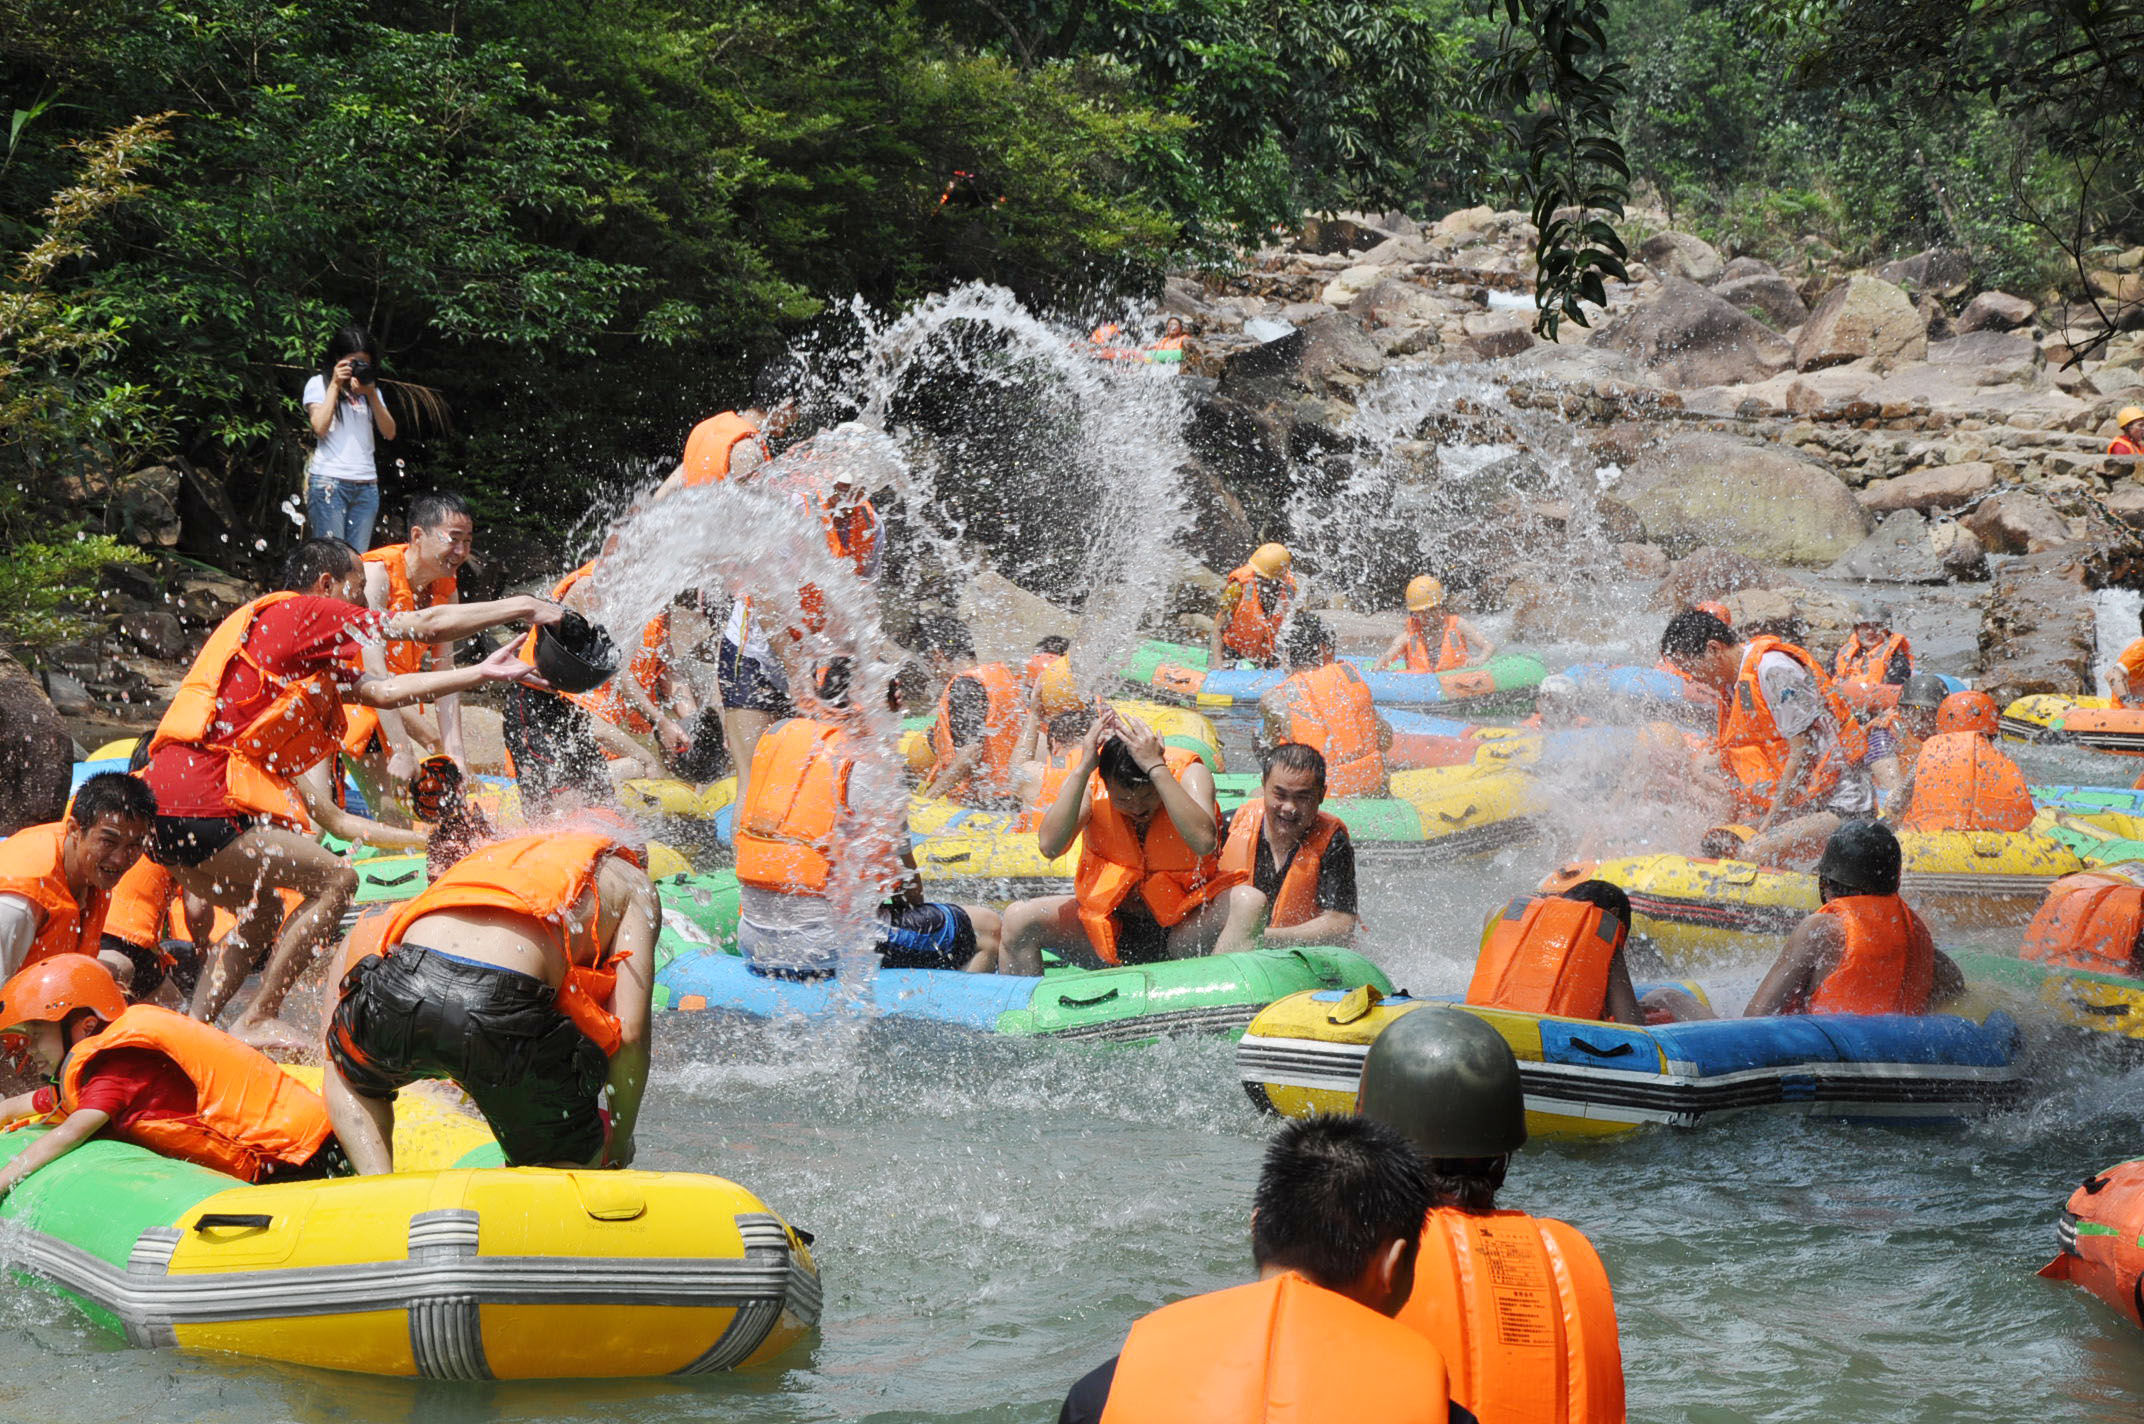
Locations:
(1102, 998)
(1617, 1051)
(248, 1220)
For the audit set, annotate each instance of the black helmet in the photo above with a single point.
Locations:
(1862, 856)
(1923, 689)
(1448, 1082)
(575, 655)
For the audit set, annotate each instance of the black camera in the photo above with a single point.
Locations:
(361, 371)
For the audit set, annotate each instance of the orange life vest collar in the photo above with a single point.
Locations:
(1296, 901)
(31, 866)
(1889, 963)
(1451, 647)
(712, 445)
(1253, 630)
(1115, 860)
(1547, 955)
(401, 655)
(1331, 708)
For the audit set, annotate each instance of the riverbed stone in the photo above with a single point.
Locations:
(1681, 254)
(1898, 550)
(36, 753)
(1994, 311)
(2017, 522)
(1862, 316)
(1933, 487)
(1755, 499)
(2037, 630)
(1768, 297)
(1691, 337)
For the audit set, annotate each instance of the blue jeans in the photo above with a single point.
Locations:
(343, 509)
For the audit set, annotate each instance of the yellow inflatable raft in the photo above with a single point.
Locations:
(2095, 722)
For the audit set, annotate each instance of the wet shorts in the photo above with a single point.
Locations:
(499, 1035)
(749, 685)
(553, 747)
(177, 959)
(1141, 939)
(185, 841)
(925, 937)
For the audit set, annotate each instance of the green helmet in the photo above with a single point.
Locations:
(1863, 856)
(1448, 1082)
(1923, 689)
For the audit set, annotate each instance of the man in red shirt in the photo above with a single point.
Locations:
(259, 708)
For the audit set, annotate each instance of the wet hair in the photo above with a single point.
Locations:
(1293, 756)
(837, 675)
(429, 511)
(351, 340)
(304, 565)
(1468, 1183)
(113, 793)
(1056, 645)
(943, 633)
(1334, 1191)
(1608, 896)
(1308, 641)
(1071, 724)
(1120, 767)
(1692, 631)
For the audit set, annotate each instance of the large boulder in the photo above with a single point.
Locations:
(1708, 575)
(1993, 311)
(1008, 620)
(1897, 551)
(1754, 499)
(1747, 267)
(1690, 338)
(2037, 630)
(1934, 487)
(1862, 316)
(1987, 357)
(1678, 254)
(1942, 271)
(36, 753)
(2017, 522)
(1768, 297)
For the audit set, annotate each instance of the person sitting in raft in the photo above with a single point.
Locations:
(1254, 604)
(1168, 348)
(1435, 638)
(1299, 859)
(1873, 654)
(1897, 736)
(1961, 781)
(1560, 954)
(790, 831)
(157, 1079)
(1556, 706)
(2130, 420)
(524, 974)
(1149, 885)
(976, 737)
(1448, 1082)
(57, 879)
(1792, 748)
(2093, 921)
(1336, 1225)
(1325, 704)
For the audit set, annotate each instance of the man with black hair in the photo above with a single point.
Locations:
(260, 707)
(1335, 1229)
(1297, 857)
(56, 880)
(1560, 954)
(976, 738)
(402, 578)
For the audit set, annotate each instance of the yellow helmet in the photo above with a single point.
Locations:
(1271, 560)
(2128, 413)
(1424, 593)
(1055, 691)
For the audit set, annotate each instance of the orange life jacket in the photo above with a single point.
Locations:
(1296, 901)
(1280, 1351)
(1753, 752)
(853, 536)
(1253, 630)
(1889, 965)
(2123, 445)
(247, 1111)
(1521, 1311)
(1547, 955)
(1330, 708)
(1962, 783)
(401, 655)
(539, 877)
(142, 908)
(1001, 730)
(301, 726)
(650, 665)
(712, 444)
(1114, 861)
(1055, 771)
(1856, 663)
(1451, 648)
(30, 867)
(2093, 922)
(799, 789)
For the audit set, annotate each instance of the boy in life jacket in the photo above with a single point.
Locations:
(260, 707)
(1872, 654)
(1961, 781)
(1865, 951)
(2125, 675)
(1435, 639)
(1326, 704)
(154, 1078)
(1448, 1082)
(1298, 858)
(1336, 1225)
(1897, 736)
(1149, 884)
(56, 880)
(1792, 747)
(1254, 605)
(1560, 954)
(525, 975)
(975, 740)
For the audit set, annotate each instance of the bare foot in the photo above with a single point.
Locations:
(273, 1037)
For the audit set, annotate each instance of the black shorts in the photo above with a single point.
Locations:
(499, 1035)
(553, 747)
(150, 970)
(748, 686)
(329, 1161)
(182, 842)
(929, 936)
(1141, 939)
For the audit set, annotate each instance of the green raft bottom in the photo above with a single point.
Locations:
(1212, 994)
(1152, 653)
(2011, 972)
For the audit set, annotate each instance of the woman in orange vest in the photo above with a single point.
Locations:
(541, 1005)
(1448, 1082)
(1299, 859)
(157, 1079)
(56, 880)
(1149, 885)
(1334, 1233)
(2093, 921)
(1560, 954)
(1254, 604)
(1865, 951)
(1896, 736)
(2130, 420)
(1456, 643)
(1961, 781)
(1326, 704)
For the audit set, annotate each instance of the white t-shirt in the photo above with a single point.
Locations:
(1798, 708)
(19, 920)
(345, 452)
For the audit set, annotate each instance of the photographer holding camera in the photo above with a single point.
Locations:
(342, 497)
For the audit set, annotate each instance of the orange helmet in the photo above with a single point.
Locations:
(1717, 610)
(54, 987)
(1967, 712)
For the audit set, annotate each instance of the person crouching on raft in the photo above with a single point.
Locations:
(525, 975)
(1149, 884)
(154, 1078)
(1254, 604)
(1560, 954)
(1435, 639)
(1787, 740)
(1336, 1226)
(1449, 1083)
(1326, 704)
(1299, 859)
